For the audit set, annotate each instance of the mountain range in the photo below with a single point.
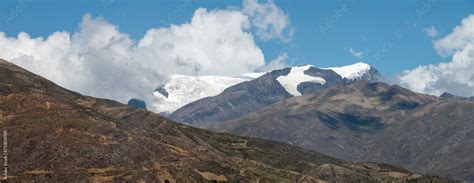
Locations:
(352, 118)
(56, 135)
(447, 95)
(243, 98)
(180, 90)
(371, 122)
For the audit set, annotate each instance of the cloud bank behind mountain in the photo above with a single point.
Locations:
(455, 76)
(101, 61)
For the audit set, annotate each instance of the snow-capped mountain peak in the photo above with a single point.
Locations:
(182, 89)
(308, 73)
(354, 71)
(297, 76)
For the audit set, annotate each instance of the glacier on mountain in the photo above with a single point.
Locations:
(182, 89)
(297, 75)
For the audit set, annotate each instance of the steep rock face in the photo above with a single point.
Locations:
(246, 97)
(364, 121)
(56, 135)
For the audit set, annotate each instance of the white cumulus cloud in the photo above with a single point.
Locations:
(101, 61)
(96, 60)
(461, 36)
(213, 43)
(456, 76)
(271, 21)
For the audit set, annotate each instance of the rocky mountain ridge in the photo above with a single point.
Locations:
(363, 121)
(274, 86)
(56, 135)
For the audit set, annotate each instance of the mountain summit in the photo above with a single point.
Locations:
(180, 90)
(364, 121)
(267, 89)
(310, 74)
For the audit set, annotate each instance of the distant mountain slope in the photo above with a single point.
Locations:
(447, 95)
(250, 96)
(364, 121)
(136, 103)
(55, 135)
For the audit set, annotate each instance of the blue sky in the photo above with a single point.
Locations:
(119, 49)
(391, 28)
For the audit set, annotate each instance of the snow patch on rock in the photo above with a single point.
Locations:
(352, 72)
(296, 76)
